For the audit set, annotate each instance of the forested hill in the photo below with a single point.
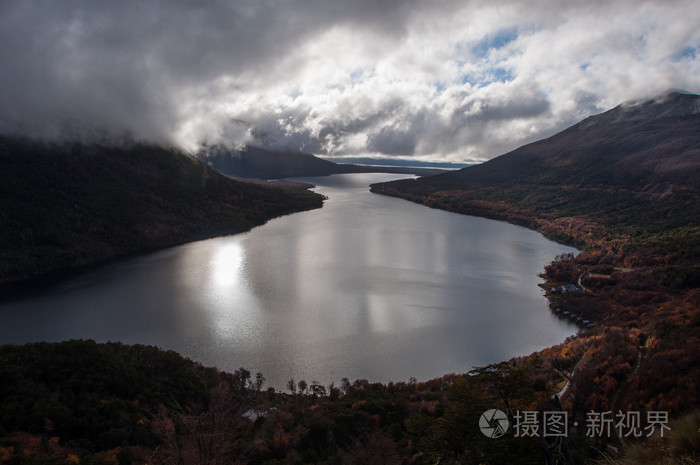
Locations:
(73, 204)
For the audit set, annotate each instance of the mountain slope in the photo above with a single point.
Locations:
(254, 162)
(634, 145)
(70, 205)
(634, 171)
(260, 163)
(623, 186)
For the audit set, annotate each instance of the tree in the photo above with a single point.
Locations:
(333, 392)
(317, 389)
(345, 385)
(302, 386)
(195, 438)
(509, 381)
(259, 381)
(240, 379)
(292, 386)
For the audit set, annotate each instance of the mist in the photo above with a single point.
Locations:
(445, 81)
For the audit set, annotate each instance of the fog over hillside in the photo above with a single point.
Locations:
(437, 81)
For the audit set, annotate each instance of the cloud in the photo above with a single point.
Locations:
(450, 80)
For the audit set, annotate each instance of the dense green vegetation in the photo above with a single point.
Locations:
(94, 393)
(82, 402)
(91, 397)
(68, 205)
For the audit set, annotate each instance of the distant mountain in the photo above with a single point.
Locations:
(634, 170)
(623, 186)
(642, 145)
(402, 162)
(69, 205)
(261, 163)
(255, 162)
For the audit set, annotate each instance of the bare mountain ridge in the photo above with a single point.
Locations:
(640, 145)
(628, 176)
(672, 103)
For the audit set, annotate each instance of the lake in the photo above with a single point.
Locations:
(369, 286)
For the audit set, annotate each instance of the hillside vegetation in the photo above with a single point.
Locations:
(626, 181)
(108, 404)
(69, 205)
(625, 187)
(637, 285)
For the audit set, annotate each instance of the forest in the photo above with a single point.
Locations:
(84, 402)
(69, 205)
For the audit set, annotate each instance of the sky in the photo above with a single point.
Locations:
(440, 80)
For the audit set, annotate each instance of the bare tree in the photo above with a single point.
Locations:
(292, 386)
(345, 385)
(259, 381)
(190, 438)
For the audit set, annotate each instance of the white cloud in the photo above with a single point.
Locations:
(437, 80)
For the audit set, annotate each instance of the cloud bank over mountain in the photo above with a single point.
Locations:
(442, 80)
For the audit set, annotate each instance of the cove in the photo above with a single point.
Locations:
(368, 286)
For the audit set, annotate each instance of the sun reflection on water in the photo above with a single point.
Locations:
(226, 265)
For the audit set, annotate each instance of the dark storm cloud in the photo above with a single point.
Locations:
(391, 140)
(128, 65)
(458, 79)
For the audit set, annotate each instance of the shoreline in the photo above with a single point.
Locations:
(18, 288)
(624, 290)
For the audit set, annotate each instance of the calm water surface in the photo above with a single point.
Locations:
(367, 287)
